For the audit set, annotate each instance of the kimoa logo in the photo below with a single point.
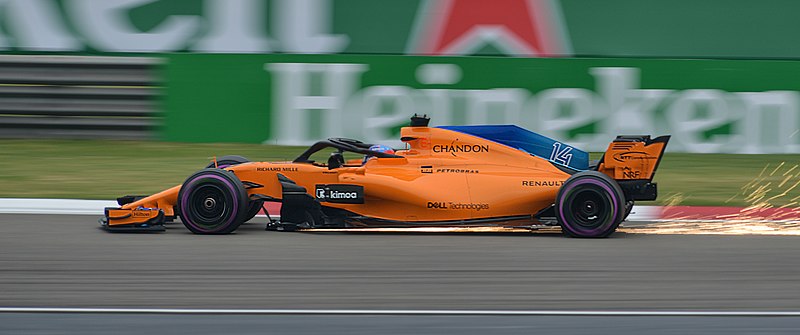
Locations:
(323, 193)
(753, 122)
(342, 195)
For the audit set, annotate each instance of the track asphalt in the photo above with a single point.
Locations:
(67, 261)
(98, 324)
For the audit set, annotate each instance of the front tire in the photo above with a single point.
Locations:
(212, 201)
(590, 204)
(254, 206)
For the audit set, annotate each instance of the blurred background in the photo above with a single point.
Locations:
(102, 98)
(97, 95)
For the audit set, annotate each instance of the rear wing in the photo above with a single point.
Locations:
(632, 161)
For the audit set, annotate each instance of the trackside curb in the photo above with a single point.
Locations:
(71, 206)
(54, 206)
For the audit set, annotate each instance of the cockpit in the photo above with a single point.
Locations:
(340, 147)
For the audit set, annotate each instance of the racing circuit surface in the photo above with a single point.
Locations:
(67, 261)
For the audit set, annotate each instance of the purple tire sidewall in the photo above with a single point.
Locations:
(185, 202)
(604, 186)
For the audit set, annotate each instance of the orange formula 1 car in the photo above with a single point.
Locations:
(445, 176)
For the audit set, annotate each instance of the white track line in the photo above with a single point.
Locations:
(392, 312)
(54, 206)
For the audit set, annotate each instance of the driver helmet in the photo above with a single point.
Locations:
(378, 148)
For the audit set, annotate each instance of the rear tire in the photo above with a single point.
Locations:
(590, 204)
(212, 201)
(628, 209)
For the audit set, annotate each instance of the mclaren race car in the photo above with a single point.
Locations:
(493, 175)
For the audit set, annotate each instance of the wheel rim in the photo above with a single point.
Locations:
(208, 207)
(211, 202)
(589, 208)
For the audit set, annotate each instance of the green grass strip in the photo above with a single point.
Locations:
(95, 169)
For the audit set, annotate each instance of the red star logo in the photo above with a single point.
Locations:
(516, 27)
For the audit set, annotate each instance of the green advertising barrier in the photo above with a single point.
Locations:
(707, 105)
(537, 28)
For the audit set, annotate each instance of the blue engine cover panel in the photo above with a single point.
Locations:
(530, 142)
